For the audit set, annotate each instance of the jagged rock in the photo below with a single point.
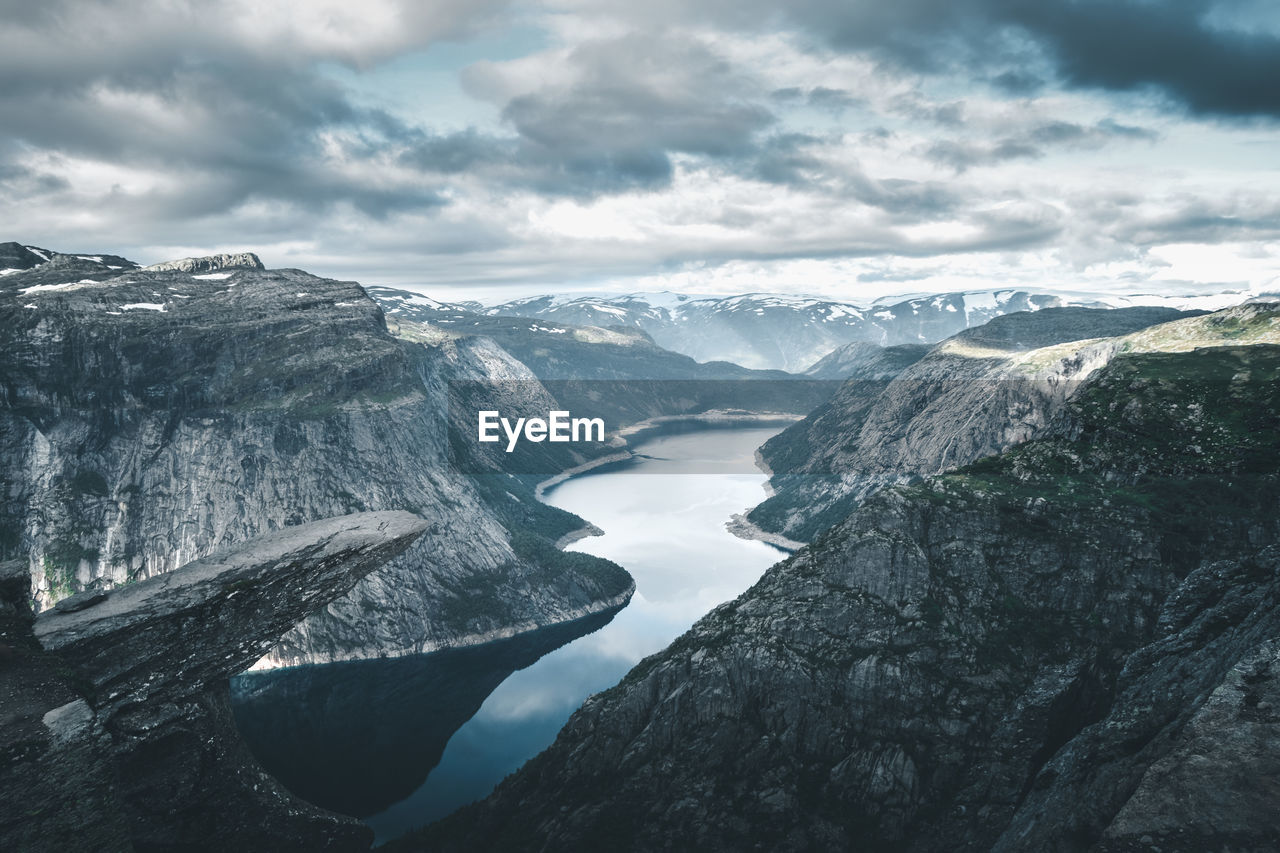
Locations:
(147, 755)
(981, 392)
(56, 776)
(866, 361)
(197, 625)
(1166, 764)
(209, 264)
(15, 256)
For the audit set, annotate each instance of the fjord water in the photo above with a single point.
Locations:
(359, 737)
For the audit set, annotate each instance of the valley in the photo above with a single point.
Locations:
(1017, 528)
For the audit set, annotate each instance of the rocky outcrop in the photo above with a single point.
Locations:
(211, 618)
(116, 726)
(210, 264)
(1063, 647)
(150, 418)
(976, 394)
(1168, 767)
(866, 361)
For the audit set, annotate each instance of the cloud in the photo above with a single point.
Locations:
(213, 104)
(1173, 47)
(633, 140)
(609, 113)
(1032, 142)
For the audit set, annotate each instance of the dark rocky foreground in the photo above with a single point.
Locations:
(116, 731)
(1070, 646)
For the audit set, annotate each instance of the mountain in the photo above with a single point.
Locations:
(617, 373)
(151, 417)
(771, 331)
(861, 360)
(979, 392)
(555, 350)
(1069, 646)
(15, 257)
(210, 264)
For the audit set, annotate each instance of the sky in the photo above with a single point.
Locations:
(489, 149)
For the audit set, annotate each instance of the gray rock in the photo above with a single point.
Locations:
(191, 628)
(210, 263)
(148, 755)
(983, 391)
(1008, 655)
(156, 418)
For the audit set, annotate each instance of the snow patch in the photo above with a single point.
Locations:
(143, 306)
(39, 288)
(214, 276)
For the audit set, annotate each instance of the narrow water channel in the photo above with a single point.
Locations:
(359, 737)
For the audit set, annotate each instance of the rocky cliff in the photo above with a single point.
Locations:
(867, 361)
(980, 392)
(116, 730)
(1068, 646)
(149, 418)
(210, 263)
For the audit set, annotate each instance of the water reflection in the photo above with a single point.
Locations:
(356, 737)
(359, 738)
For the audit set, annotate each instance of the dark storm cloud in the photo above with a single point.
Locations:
(1169, 45)
(1018, 82)
(22, 181)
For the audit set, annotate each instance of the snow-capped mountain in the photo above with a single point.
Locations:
(762, 330)
(16, 258)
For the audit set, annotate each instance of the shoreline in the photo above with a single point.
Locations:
(737, 525)
(584, 532)
(712, 417)
(466, 641)
(742, 527)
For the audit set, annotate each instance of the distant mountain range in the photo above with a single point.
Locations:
(768, 331)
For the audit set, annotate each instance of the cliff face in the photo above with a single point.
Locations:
(116, 729)
(861, 360)
(149, 418)
(1068, 646)
(981, 392)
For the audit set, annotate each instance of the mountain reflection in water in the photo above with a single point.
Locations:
(356, 737)
(402, 743)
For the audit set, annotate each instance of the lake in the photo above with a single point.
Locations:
(400, 743)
